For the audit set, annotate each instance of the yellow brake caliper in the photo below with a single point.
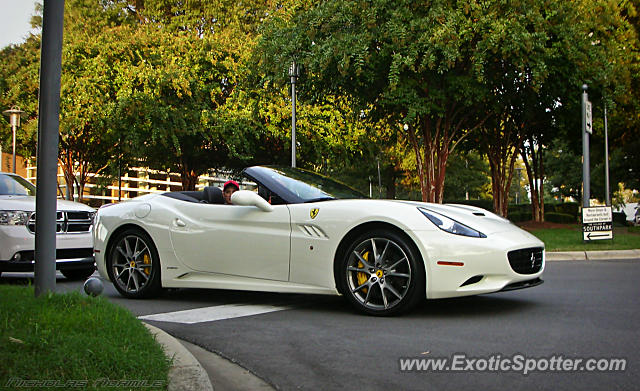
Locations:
(146, 261)
(362, 277)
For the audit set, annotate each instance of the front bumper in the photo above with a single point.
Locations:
(61, 264)
(462, 266)
(17, 245)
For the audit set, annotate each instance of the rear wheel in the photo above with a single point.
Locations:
(133, 265)
(380, 274)
(78, 274)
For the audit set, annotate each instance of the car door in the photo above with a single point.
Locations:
(234, 240)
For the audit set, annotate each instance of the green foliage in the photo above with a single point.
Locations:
(517, 217)
(69, 337)
(619, 219)
(484, 204)
(562, 218)
(466, 172)
(570, 208)
(191, 85)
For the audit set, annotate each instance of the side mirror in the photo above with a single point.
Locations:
(250, 198)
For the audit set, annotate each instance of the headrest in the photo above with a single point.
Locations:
(213, 195)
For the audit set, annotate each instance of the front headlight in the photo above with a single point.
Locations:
(449, 225)
(14, 217)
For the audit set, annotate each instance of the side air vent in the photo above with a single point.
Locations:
(312, 231)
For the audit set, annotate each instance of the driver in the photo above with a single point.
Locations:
(228, 189)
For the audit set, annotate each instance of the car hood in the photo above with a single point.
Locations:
(28, 203)
(476, 218)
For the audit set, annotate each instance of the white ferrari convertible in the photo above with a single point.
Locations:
(305, 233)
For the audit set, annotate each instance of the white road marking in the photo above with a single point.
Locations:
(210, 314)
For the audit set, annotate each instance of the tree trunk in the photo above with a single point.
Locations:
(535, 173)
(189, 179)
(419, 163)
(66, 163)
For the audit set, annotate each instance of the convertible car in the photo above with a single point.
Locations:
(301, 232)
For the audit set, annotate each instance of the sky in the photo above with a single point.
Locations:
(14, 21)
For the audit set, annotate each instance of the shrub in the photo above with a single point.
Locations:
(519, 208)
(570, 208)
(562, 218)
(619, 219)
(484, 204)
(517, 217)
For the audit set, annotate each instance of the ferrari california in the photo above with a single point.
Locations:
(297, 231)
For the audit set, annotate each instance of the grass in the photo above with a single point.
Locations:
(74, 341)
(570, 239)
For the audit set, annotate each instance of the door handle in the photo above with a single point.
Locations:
(179, 223)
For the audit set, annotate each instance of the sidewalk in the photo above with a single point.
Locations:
(592, 255)
(195, 368)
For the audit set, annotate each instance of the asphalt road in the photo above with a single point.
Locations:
(583, 310)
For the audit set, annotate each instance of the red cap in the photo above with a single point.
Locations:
(231, 183)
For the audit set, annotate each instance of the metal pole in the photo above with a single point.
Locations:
(13, 127)
(606, 158)
(293, 73)
(293, 122)
(586, 191)
(48, 129)
(379, 180)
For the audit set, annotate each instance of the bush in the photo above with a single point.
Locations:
(570, 208)
(619, 219)
(562, 218)
(517, 217)
(484, 204)
(519, 208)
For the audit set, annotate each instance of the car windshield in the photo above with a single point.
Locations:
(16, 185)
(309, 186)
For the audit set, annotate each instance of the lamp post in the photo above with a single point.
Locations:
(586, 131)
(14, 119)
(606, 159)
(294, 72)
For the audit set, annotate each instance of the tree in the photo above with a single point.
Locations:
(412, 63)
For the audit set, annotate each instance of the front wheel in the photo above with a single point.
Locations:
(133, 265)
(381, 274)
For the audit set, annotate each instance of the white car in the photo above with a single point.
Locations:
(306, 233)
(74, 239)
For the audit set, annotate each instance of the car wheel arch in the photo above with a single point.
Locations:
(154, 284)
(118, 231)
(359, 230)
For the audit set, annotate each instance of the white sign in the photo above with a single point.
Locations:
(588, 120)
(597, 223)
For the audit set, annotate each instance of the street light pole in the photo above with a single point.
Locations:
(606, 159)
(586, 126)
(48, 129)
(294, 72)
(14, 117)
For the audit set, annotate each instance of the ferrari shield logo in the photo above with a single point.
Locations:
(314, 212)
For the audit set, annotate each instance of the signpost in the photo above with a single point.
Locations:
(597, 223)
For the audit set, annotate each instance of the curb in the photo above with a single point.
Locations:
(591, 255)
(185, 373)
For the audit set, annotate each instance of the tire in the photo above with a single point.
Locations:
(133, 265)
(382, 274)
(78, 274)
